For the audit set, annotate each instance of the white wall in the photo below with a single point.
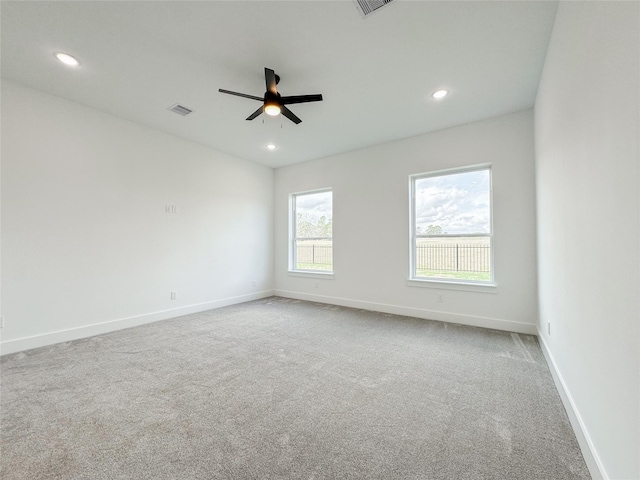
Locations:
(371, 221)
(587, 154)
(85, 236)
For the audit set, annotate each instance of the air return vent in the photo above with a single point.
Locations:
(180, 110)
(367, 7)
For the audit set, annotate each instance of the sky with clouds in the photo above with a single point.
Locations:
(315, 205)
(459, 203)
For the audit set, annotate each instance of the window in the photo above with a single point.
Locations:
(311, 243)
(451, 233)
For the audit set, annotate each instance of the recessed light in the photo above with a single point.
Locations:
(440, 94)
(67, 59)
(271, 146)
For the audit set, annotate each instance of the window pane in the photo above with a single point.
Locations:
(452, 226)
(313, 227)
(455, 204)
(314, 255)
(457, 258)
(314, 215)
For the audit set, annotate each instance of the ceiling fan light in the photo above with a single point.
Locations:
(272, 109)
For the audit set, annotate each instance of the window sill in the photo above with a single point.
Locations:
(310, 274)
(452, 285)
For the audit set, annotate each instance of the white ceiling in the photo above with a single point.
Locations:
(376, 73)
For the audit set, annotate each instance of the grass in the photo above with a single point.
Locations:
(421, 273)
(476, 276)
(325, 267)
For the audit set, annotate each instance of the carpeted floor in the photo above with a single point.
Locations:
(286, 389)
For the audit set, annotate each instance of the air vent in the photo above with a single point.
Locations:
(367, 7)
(180, 110)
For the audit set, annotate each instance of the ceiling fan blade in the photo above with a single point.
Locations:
(253, 97)
(300, 99)
(270, 80)
(256, 113)
(289, 114)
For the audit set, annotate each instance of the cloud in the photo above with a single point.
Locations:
(315, 205)
(458, 203)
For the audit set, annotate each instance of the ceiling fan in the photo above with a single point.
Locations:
(273, 102)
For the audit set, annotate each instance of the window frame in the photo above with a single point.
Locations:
(444, 282)
(293, 238)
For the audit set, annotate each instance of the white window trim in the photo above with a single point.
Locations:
(292, 271)
(312, 274)
(448, 284)
(489, 286)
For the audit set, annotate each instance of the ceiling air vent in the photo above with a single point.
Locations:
(180, 110)
(367, 7)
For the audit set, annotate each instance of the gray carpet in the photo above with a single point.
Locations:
(285, 389)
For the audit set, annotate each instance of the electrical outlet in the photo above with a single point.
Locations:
(439, 297)
(174, 295)
(255, 283)
(317, 285)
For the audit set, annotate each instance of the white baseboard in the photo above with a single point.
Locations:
(591, 458)
(27, 343)
(471, 320)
